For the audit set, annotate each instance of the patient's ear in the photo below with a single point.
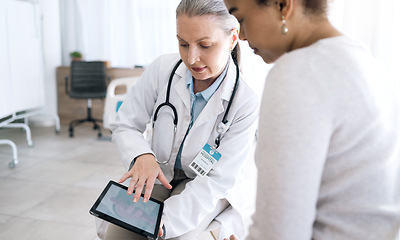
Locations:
(285, 7)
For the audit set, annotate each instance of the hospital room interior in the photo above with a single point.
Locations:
(53, 167)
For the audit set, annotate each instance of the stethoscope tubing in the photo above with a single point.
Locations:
(167, 103)
(221, 126)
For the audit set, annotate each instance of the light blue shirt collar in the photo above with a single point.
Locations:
(207, 94)
(198, 101)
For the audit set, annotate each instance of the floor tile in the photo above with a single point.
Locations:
(49, 193)
(100, 178)
(4, 218)
(70, 206)
(19, 195)
(24, 162)
(57, 172)
(19, 228)
(47, 196)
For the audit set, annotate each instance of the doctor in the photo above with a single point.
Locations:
(199, 105)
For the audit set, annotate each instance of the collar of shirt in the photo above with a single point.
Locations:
(206, 94)
(198, 101)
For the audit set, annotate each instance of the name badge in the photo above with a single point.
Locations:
(205, 160)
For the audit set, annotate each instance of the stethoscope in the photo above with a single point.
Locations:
(222, 126)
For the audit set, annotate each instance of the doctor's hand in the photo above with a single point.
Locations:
(161, 230)
(233, 237)
(144, 173)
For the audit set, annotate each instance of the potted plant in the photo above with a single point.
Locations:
(76, 56)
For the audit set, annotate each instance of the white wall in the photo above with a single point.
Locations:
(22, 81)
(51, 33)
(253, 67)
(5, 86)
(376, 24)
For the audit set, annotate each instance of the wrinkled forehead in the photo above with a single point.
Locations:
(197, 27)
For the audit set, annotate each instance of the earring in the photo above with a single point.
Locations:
(284, 28)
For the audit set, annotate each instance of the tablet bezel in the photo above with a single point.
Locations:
(120, 223)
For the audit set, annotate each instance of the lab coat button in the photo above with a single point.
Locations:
(187, 118)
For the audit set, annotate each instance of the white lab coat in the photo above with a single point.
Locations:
(226, 180)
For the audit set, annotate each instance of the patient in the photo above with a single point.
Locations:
(328, 150)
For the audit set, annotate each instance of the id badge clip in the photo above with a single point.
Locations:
(205, 160)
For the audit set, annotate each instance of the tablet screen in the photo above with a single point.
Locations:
(116, 206)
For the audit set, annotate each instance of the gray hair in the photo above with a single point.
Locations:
(215, 8)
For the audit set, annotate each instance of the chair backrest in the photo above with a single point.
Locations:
(88, 80)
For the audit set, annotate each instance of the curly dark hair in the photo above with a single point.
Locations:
(311, 6)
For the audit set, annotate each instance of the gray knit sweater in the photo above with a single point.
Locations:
(328, 150)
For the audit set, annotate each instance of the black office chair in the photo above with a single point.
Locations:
(88, 80)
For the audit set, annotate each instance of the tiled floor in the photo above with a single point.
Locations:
(48, 195)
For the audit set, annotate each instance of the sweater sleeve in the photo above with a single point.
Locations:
(294, 132)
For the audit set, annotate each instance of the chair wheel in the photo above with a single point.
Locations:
(71, 133)
(11, 165)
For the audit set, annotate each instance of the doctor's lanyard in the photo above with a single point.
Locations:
(222, 126)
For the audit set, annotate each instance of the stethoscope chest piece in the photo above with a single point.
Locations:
(221, 128)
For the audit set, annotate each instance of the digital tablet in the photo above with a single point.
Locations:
(116, 206)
